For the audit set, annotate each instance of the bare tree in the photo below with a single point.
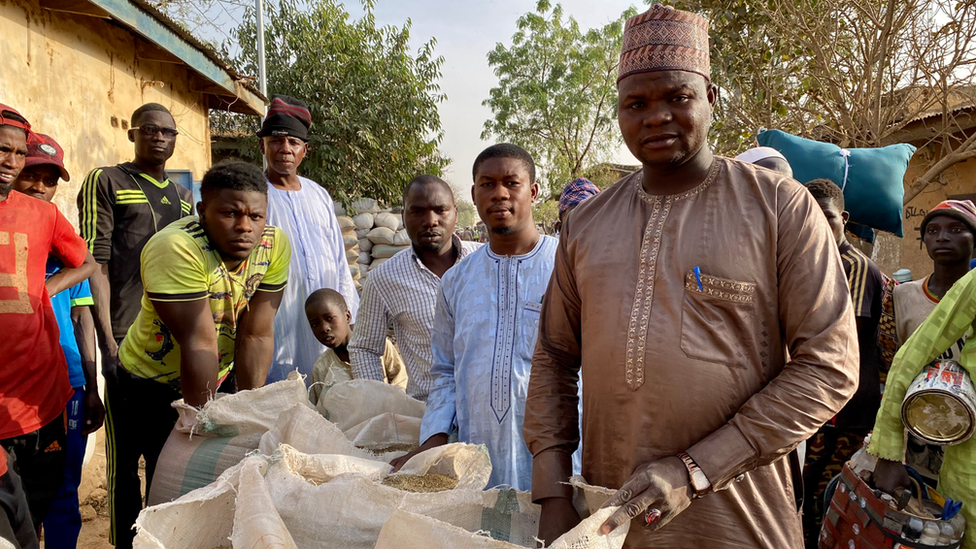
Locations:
(859, 73)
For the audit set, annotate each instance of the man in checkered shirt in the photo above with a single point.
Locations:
(403, 290)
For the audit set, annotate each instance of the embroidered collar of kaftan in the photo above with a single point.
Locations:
(652, 198)
(535, 250)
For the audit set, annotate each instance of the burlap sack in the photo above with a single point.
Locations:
(385, 430)
(387, 220)
(206, 442)
(307, 431)
(383, 251)
(346, 511)
(365, 205)
(363, 221)
(201, 519)
(588, 498)
(381, 235)
(401, 238)
(345, 222)
(353, 402)
(409, 530)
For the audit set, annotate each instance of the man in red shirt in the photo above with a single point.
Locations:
(34, 386)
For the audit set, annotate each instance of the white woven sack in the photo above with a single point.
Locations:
(365, 205)
(353, 402)
(377, 262)
(252, 411)
(352, 255)
(202, 519)
(401, 238)
(348, 511)
(307, 431)
(206, 442)
(254, 526)
(363, 221)
(383, 251)
(345, 222)
(406, 530)
(588, 498)
(506, 515)
(365, 244)
(364, 258)
(384, 430)
(381, 235)
(469, 463)
(289, 477)
(387, 220)
(361, 233)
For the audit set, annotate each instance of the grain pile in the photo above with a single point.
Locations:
(429, 483)
(391, 448)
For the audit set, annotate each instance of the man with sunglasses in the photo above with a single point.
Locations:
(120, 208)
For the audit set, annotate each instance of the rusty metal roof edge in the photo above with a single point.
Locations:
(183, 34)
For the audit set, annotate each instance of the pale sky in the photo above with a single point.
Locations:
(466, 30)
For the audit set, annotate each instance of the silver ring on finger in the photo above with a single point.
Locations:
(651, 516)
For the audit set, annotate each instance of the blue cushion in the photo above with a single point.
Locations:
(874, 187)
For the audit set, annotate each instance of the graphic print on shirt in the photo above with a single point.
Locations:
(165, 340)
(17, 279)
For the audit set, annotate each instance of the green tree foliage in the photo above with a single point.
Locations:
(546, 212)
(556, 94)
(375, 123)
(467, 216)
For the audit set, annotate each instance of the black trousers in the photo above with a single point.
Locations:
(16, 526)
(138, 420)
(40, 457)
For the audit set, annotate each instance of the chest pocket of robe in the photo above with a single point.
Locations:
(529, 328)
(718, 320)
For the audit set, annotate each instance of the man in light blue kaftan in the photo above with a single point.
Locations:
(487, 321)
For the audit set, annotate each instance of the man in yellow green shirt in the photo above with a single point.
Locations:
(212, 286)
(951, 319)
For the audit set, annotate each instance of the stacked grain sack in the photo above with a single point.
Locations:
(380, 235)
(351, 243)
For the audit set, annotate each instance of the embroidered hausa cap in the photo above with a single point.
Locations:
(43, 149)
(286, 116)
(10, 117)
(963, 210)
(665, 39)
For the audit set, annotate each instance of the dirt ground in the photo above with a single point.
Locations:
(94, 499)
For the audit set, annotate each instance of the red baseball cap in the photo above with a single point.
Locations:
(10, 117)
(43, 149)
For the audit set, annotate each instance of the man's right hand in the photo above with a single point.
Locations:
(558, 517)
(432, 442)
(891, 476)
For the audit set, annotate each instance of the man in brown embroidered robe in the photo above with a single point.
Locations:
(702, 304)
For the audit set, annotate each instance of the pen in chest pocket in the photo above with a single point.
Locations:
(698, 278)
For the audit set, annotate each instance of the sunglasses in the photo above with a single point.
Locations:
(150, 130)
